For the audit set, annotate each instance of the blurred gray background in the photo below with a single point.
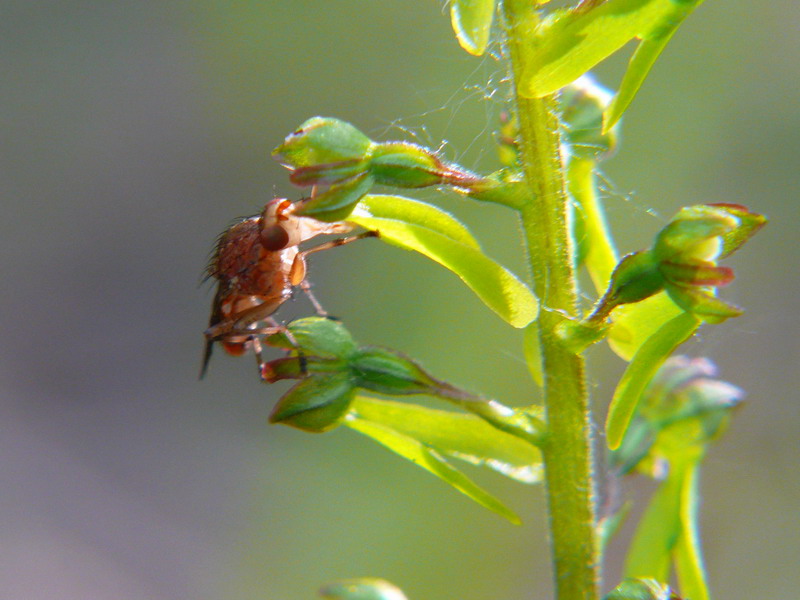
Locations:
(133, 132)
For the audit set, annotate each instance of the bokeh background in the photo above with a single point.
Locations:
(131, 133)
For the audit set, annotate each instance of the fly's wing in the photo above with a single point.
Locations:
(216, 317)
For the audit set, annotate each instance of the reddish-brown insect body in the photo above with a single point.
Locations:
(257, 263)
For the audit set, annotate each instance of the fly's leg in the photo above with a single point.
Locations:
(306, 287)
(337, 242)
(273, 328)
(239, 322)
(297, 274)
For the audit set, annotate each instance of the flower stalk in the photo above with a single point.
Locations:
(567, 450)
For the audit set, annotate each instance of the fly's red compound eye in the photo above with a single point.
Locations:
(274, 238)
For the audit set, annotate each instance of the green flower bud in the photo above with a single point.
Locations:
(681, 262)
(316, 336)
(323, 141)
(694, 234)
(316, 404)
(685, 388)
(685, 406)
(583, 103)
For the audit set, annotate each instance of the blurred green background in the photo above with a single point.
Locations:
(133, 132)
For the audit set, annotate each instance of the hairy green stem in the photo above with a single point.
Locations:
(567, 450)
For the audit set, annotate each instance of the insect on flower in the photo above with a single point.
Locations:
(257, 263)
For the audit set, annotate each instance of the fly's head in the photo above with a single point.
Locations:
(281, 228)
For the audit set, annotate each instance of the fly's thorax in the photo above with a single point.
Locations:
(238, 248)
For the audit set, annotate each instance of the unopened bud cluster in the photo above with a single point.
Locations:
(331, 368)
(330, 152)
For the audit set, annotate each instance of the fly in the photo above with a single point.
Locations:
(257, 263)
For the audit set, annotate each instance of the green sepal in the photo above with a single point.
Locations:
(472, 22)
(641, 370)
(641, 589)
(362, 588)
(316, 404)
(323, 338)
(405, 165)
(749, 224)
(430, 460)
(328, 173)
(703, 303)
(338, 201)
(457, 435)
(633, 324)
(693, 234)
(413, 229)
(297, 367)
(697, 273)
(323, 140)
